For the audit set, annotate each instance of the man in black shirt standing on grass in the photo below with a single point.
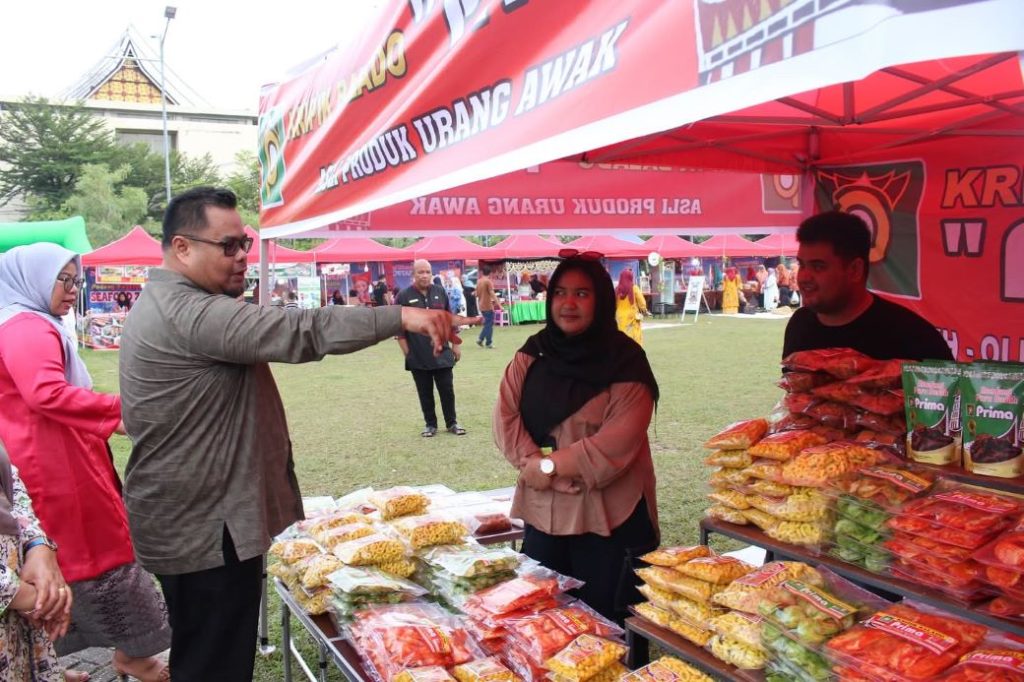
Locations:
(838, 310)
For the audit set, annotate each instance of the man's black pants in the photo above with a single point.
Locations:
(425, 380)
(214, 617)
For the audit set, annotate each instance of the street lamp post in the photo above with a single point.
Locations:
(169, 13)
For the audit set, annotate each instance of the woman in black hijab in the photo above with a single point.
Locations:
(572, 416)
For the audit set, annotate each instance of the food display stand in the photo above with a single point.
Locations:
(527, 311)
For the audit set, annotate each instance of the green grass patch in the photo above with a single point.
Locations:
(355, 420)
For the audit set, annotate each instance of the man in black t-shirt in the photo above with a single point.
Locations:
(380, 291)
(838, 310)
(427, 369)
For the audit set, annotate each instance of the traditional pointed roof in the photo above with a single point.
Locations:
(130, 72)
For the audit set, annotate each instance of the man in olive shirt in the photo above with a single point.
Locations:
(211, 479)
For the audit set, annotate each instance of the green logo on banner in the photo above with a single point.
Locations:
(887, 197)
(271, 155)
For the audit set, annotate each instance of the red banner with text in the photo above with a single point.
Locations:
(948, 238)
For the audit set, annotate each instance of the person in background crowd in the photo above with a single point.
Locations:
(761, 277)
(123, 302)
(536, 286)
(572, 416)
(293, 300)
(486, 301)
(771, 291)
(782, 277)
(794, 284)
(472, 310)
(430, 368)
(255, 293)
(380, 290)
(455, 298)
(362, 296)
(838, 310)
(30, 618)
(732, 291)
(55, 429)
(211, 478)
(630, 307)
(337, 298)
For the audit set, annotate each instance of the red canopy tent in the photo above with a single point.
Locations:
(670, 246)
(782, 244)
(907, 113)
(356, 250)
(733, 245)
(135, 248)
(610, 247)
(450, 248)
(526, 246)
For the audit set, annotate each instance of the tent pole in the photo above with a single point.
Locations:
(264, 282)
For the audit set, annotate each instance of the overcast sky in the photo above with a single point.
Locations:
(224, 49)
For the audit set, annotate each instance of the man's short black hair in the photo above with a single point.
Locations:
(486, 270)
(187, 211)
(382, 278)
(848, 234)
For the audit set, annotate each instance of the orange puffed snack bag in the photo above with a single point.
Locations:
(786, 445)
(738, 436)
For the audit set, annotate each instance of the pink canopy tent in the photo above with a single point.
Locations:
(733, 245)
(356, 250)
(670, 246)
(135, 248)
(782, 244)
(449, 248)
(609, 246)
(526, 246)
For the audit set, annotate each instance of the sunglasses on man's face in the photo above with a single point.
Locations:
(231, 245)
(582, 255)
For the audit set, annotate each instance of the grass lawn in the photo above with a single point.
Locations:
(355, 420)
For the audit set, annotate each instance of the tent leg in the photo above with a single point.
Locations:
(264, 283)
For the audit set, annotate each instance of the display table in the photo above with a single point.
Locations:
(527, 311)
(783, 550)
(331, 648)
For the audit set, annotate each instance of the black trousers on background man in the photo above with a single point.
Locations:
(425, 380)
(605, 564)
(214, 617)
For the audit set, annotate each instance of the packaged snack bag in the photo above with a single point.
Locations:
(372, 549)
(472, 560)
(886, 375)
(654, 613)
(807, 505)
(804, 382)
(330, 537)
(483, 670)
(673, 581)
(586, 656)
(434, 673)
(427, 530)
(988, 665)
(542, 635)
(666, 669)
(694, 612)
(797, 533)
(932, 399)
(315, 569)
(762, 520)
(290, 551)
(730, 498)
(717, 570)
(727, 478)
(736, 653)
(728, 514)
(518, 593)
(398, 501)
(739, 435)
(611, 673)
(993, 429)
(319, 524)
(742, 627)
(841, 363)
(403, 568)
(729, 459)
(746, 593)
(673, 556)
(767, 488)
(785, 445)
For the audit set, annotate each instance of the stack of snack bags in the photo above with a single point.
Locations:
(864, 502)
(571, 634)
(354, 588)
(738, 632)
(903, 642)
(936, 536)
(987, 665)
(391, 640)
(486, 516)
(303, 566)
(680, 585)
(840, 393)
(800, 618)
(732, 459)
(666, 669)
(1002, 563)
(456, 571)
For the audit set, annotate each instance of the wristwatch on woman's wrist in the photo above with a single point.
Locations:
(547, 466)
